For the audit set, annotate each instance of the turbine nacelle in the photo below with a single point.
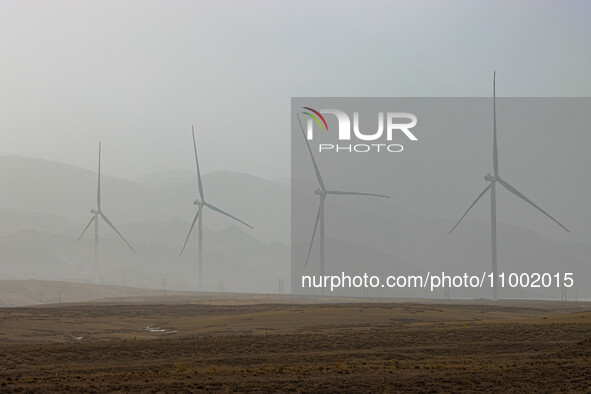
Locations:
(95, 211)
(320, 192)
(491, 178)
(199, 203)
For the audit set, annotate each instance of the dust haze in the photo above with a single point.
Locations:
(137, 75)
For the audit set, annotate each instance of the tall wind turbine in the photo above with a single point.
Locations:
(96, 213)
(201, 203)
(322, 192)
(493, 179)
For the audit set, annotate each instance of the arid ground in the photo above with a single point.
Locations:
(278, 344)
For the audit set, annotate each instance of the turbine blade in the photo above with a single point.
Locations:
(86, 228)
(226, 213)
(190, 230)
(355, 194)
(313, 235)
(98, 189)
(495, 152)
(114, 229)
(320, 181)
(518, 194)
(470, 207)
(197, 163)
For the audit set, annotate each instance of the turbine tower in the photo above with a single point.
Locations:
(96, 213)
(493, 179)
(322, 192)
(201, 204)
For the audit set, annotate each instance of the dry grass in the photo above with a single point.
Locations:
(544, 347)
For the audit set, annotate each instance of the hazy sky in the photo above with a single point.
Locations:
(137, 74)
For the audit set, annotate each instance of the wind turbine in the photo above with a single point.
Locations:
(96, 213)
(493, 179)
(201, 203)
(322, 192)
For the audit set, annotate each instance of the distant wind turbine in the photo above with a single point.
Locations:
(95, 218)
(321, 192)
(493, 205)
(201, 203)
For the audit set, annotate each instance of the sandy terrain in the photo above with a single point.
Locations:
(182, 343)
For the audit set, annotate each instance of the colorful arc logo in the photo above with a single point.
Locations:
(316, 117)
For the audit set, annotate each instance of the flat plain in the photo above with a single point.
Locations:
(242, 343)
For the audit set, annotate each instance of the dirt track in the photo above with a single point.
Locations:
(382, 347)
